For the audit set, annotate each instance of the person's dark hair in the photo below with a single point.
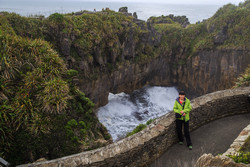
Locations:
(182, 93)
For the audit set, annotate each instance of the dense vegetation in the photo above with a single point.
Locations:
(40, 58)
(244, 153)
(227, 29)
(42, 113)
(244, 79)
(246, 146)
(241, 157)
(93, 43)
(94, 40)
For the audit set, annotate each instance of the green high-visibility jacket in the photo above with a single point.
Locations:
(178, 107)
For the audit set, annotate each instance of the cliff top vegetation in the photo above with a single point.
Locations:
(39, 104)
(244, 79)
(40, 59)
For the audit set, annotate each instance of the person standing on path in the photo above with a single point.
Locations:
(182, 108)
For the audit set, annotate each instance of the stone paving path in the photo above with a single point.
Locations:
(214, 137)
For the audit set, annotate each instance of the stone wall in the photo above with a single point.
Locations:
(238, 142)
(144, 147)
(223, 160)
(208, 160)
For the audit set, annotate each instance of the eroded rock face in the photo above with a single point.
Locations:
(123, 9)
(128, 78)
(206, 72)
(208, 160)
(213, 70)
(135, 15)
(118, 65)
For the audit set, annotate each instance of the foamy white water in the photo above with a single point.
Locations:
(124, 112)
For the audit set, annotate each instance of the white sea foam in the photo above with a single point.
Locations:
(124, 112)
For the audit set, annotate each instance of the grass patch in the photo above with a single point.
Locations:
(244, 153)
(244, 79)
(140, 127)
(246, 146)
(241, 158)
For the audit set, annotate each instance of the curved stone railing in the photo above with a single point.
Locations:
(238, 142)
(224, 160)
(144, 147)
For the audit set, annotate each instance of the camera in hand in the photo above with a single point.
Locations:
(178, 115)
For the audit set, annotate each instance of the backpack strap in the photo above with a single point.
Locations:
(183, 105)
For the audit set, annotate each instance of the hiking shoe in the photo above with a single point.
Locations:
(190, 147)
(181, 143)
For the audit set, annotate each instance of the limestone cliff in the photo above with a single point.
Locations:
(200, 58)
(205, 72)
(115, 52)
(212, 70)
(104, 52)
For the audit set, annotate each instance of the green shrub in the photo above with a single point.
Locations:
(72, 73)
(41, 113)
(244, 79)
(72, 123)
(150, 121)
(244, 153)
(55, 96)
(139, 128)
(246, 145)
(107, 137)
(233, 21)
(56, 17)
(160, 27)
(245, 4)
(241, 158)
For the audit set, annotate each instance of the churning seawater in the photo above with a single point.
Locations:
(195, 12)
(125, 111)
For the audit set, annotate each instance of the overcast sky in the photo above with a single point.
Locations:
(216, 2)
(182, 1)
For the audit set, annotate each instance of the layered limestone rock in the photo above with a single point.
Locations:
(128, 78)
(131, 53)
(115, 52)
(206, 72)
(211, 70)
